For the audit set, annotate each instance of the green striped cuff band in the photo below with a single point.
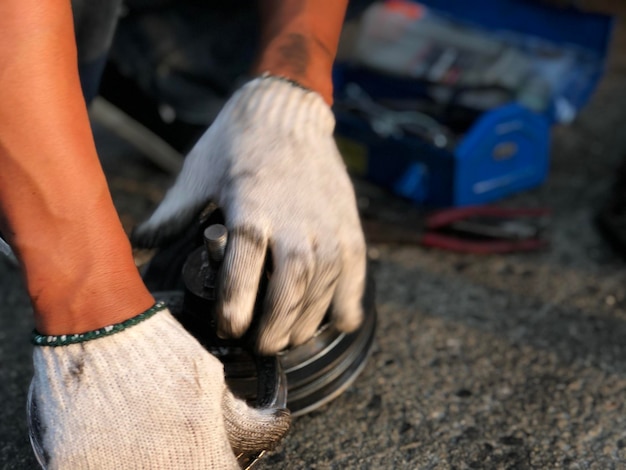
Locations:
(63, 340)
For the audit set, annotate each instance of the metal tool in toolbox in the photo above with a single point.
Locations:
(477, 230)
(492, 76)
(302, 378)
(473, 229)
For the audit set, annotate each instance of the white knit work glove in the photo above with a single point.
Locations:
(147, 397)
(270, 162)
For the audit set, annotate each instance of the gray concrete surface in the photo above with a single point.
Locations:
(486, 362)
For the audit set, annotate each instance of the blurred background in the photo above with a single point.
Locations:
(500, 339)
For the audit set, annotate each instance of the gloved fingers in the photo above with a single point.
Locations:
(285, 295)
(347, 310)
(240, 275)
(316, 303)
(253, 429)
(309, 321)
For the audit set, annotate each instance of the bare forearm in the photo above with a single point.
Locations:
(57, 211)
(300, 39)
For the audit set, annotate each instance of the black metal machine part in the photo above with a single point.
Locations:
(316, 371)
(302, 378)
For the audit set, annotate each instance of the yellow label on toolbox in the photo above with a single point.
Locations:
(354, 154)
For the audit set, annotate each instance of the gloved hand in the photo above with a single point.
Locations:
(148, 396)
(270, 162)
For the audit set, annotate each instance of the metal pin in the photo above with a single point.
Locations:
(215, 238)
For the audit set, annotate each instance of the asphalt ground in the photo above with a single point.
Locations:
(487, 362)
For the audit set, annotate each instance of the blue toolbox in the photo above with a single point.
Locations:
(450, 102)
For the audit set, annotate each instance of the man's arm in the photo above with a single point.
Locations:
(270, 162)
(56, 209)
(299, 41)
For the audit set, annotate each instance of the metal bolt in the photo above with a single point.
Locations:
(215, 238)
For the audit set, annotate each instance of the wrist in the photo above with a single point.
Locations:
(98, 300)
(301, 58)
(97, 311)
(299, 41)
(83, 284)
(316, 76)
(39, 339)
(278, 103)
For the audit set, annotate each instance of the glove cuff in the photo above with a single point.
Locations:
(282, 102)
(63, 340)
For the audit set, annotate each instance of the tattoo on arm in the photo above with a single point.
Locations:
(295, 54)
